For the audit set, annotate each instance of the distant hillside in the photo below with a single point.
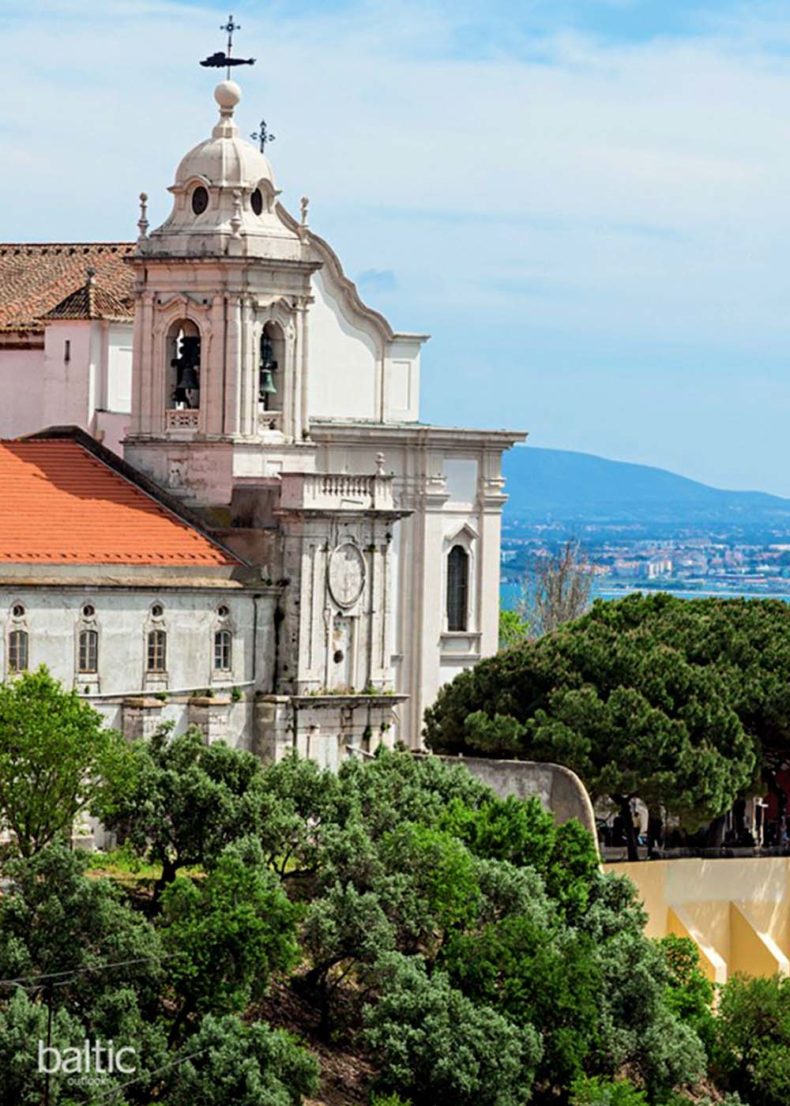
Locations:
(562, 486)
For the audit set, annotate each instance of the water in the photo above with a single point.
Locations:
(510, 593)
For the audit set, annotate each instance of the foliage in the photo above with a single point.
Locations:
(478, 945)
(227, 1061)
(227, 933)
(434, 1045)
(54, 756)
(23, 1023)
(689, 991)
(183, 801)
(524, 834)
(606, 1092)
(513, 629)
(651, 696)
(752, 1050)
(55, 920)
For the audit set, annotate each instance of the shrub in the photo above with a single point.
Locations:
(752, 1046)
(433, 1045)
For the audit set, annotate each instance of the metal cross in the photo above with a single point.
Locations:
(230, 27)
(262, 136)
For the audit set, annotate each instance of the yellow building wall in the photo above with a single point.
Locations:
(737, 910)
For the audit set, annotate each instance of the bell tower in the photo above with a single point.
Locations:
(223, 290)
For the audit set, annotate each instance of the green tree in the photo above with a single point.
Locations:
(632, 698)
(54, 756)
(226, 933)
(183, 801)
(56, 921)
(433, 1045)
(23, 1023)
(606, 1092)
(513, 629)
(689, 991)
(752, 1048)
(226, 1061)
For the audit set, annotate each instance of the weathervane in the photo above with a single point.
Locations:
(262, 136)
(220, 59)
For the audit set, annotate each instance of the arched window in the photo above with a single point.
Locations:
(88, 659)
(156, 657)
(457, 588)
(17, 651)
(183, 356)
(223, 651)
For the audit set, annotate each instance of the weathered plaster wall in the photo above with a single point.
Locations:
(736, 910)
(21, 386)
(560, 791)
(53, 618)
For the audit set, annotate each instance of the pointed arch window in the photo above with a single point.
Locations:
(457, 588)
(18, 651)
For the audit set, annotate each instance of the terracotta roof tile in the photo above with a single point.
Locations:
(59, 504)
(91, 301)
(35, 278)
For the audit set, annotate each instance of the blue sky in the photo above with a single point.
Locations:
(587, 204)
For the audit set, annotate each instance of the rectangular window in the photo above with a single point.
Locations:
(17, 651)
(223, 651)
(89, 651)
(156, 660)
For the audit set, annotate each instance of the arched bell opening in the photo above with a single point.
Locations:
(270, 366)
(183, 360)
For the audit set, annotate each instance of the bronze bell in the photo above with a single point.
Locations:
(186, 366)
(266, 385)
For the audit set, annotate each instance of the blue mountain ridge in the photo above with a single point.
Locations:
(562, 485)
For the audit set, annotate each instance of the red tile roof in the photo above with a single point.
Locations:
(60, 504)
(37, 277)
(91, 301)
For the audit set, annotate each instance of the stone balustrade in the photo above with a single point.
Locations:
(336, 492)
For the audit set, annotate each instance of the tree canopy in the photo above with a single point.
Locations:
(55, 756)
(681, 703)
(464, 947)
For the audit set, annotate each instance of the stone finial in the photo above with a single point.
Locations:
(380, 464)
(235, 222)
(142, 222)
(90, 274)
(304, 204)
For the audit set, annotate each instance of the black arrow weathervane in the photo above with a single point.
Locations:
(224, 60)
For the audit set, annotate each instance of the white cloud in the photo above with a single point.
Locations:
(609, 201)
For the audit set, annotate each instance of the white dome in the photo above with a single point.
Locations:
(225, 198)
(225, 162)
(226, 159)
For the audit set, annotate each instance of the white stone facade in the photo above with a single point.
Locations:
(269, 400)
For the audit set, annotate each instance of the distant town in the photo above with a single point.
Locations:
(714, 564)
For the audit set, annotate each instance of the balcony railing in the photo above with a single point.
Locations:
(336, 492)
(183, 418)
(269, 420)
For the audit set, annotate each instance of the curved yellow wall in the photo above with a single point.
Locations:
(737, 911)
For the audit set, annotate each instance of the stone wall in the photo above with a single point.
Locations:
(560, 791)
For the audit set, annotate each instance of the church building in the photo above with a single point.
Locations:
(218, 504)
